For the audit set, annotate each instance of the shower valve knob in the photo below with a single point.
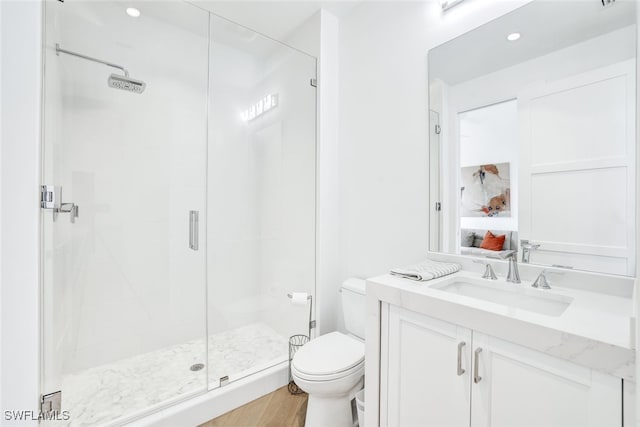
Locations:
(70, 208)
(50, 197)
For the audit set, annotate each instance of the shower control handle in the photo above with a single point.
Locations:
(194, 230)
(71, 209)
(51, 197)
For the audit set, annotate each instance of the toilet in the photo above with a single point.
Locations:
(330, 368)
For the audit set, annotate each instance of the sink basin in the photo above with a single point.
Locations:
(510, 295)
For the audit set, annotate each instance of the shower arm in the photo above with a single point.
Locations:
(88, 58)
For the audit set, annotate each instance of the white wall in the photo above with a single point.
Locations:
(383, 136)
(384, 125)
(329, 226)
(20, 34)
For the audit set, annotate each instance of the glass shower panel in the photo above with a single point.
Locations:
(261, 195)
(124, 284)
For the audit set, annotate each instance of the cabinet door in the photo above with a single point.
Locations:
(424, 385)
(522, 387)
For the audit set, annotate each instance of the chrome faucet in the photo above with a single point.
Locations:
(488, 270)
(527, 247)
(541, 282)
(513, 276)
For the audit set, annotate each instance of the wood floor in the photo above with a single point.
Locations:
(277, 409)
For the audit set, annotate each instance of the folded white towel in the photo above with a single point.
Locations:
(426, 270)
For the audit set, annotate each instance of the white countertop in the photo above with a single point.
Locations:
(596, 330)
(595, 316)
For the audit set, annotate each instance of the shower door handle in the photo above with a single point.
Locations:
(194, 230)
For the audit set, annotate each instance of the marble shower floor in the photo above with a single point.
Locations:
(100, 395)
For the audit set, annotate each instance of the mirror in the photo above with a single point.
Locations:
(533, 137)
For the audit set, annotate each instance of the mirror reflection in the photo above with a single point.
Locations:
(532, 142)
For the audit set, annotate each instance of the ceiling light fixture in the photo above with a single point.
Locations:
(132, 11)
(513, 37)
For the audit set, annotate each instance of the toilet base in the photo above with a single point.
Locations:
(331, 411)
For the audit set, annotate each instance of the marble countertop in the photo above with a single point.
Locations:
(596, 330)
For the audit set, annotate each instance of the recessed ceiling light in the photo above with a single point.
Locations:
(132, 11)
(513, 37)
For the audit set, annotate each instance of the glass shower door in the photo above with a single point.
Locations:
(123, 222)
(262, 199)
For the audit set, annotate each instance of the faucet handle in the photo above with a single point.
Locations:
(542, 282)
(527, 248)
(527, 244)
(513, 276)
(488, 271)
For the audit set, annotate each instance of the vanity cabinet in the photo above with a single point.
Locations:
(425, 384)
(435, 373)
(523, 387)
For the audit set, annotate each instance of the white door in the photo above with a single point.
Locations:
(518, 386)
(577, 170)
(428, 372)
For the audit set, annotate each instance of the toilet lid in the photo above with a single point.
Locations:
(329, 354)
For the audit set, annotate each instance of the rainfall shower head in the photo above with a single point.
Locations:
(118, 81)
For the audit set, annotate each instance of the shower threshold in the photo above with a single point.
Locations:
(112, 393)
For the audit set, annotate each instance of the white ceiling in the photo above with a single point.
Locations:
(545, 26)
(275, 19)
(239, 24)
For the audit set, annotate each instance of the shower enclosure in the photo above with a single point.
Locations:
(177, 213)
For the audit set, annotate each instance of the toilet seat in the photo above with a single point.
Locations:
(329, 357)
(357, 370)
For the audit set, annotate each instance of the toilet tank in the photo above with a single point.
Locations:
(354, 306)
